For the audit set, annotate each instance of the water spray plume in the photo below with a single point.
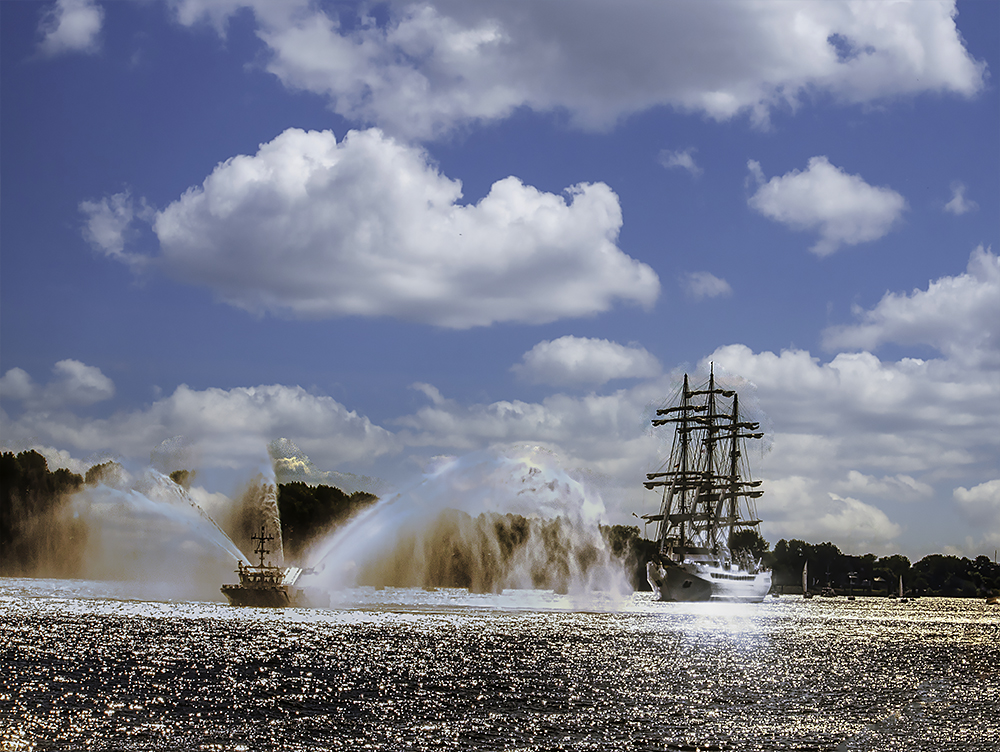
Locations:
(256, 506)
(507, 517)
(151, 530)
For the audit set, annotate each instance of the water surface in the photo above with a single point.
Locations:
(96, 666)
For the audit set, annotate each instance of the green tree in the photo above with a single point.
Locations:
(749, 540)
(310, 511)
(947, 576)
(35, 536)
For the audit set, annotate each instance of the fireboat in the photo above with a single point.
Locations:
(264, 585)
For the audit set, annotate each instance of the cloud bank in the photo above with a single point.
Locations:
(981, 504)
(313, 228)
(75, 383)
(957, 316)
(210, 428)
(434, 66)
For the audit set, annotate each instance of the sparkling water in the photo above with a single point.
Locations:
(100, 666)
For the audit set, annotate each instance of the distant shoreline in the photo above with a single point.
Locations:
(37, 539)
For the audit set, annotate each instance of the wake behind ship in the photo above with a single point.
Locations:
(265, 585)
(707, 495)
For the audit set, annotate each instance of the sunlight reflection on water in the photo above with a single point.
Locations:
(87, 665)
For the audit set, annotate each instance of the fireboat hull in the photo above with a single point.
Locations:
(276, 597)
(693, 582)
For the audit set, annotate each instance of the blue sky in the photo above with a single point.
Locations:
(393, 232)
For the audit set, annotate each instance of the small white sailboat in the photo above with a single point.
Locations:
(805, 581)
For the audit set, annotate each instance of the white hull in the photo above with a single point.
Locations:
(695, 581)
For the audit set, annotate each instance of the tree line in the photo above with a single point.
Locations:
(933, 575)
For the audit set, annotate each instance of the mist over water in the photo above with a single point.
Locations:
(149, 529)
(505, 517)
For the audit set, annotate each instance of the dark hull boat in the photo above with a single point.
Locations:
(265, 589)
(263, 585)
(706, 495)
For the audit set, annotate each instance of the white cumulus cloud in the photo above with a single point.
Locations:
(109, 225)
(70, 26)
(958, 316)
(604, 436)
(981, 501)
(981, 504)
(368, 226)
(855, 525)
(584, 361)
(842, 208)
(75, 383)
(879, 411)
(705, 285)
(433, 66)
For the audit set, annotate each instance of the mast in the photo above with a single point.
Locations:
(734, 463)
(261, 549)
(709, 487)
(703, 472)
(685, 441)
(678, 476)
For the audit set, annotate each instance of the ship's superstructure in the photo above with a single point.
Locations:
(706, 496)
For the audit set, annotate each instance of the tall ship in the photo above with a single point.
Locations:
(263, 584)
(706, 496)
